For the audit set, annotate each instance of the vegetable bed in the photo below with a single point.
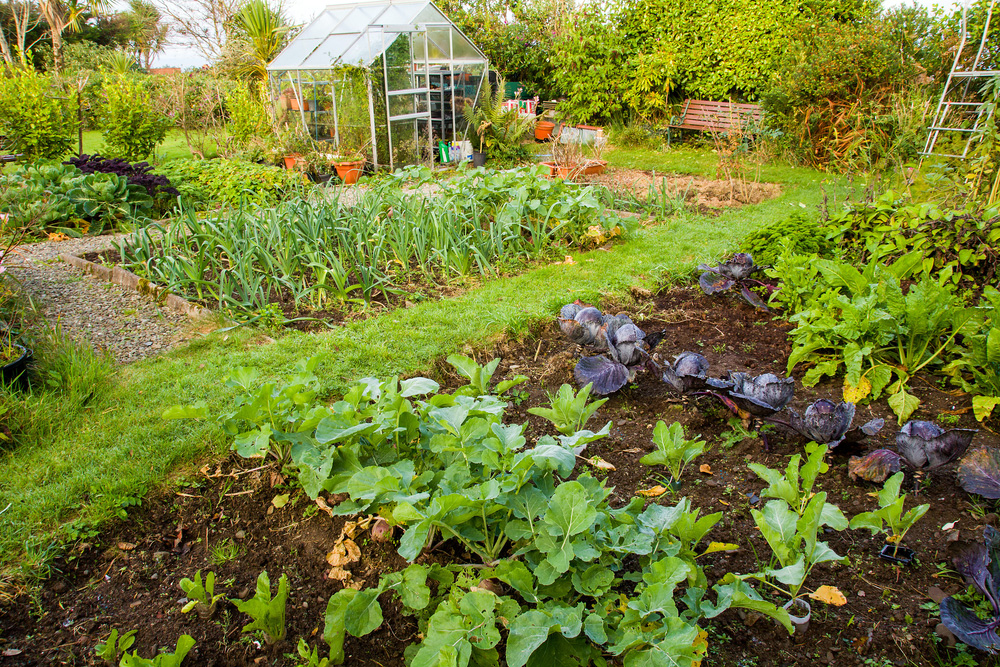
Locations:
(242, 517)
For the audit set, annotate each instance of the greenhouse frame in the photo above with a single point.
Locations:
(384, 79)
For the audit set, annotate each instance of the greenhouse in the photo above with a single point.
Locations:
(386, 81)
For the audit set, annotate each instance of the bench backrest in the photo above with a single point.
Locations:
(707, 115)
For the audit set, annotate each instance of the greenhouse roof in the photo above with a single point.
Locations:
(356, 33)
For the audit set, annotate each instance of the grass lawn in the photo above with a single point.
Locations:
(172, 148)
(122, 447)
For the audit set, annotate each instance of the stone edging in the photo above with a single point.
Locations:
(129, 280)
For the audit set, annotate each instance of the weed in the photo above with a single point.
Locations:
(719, 348)
(737, 434)
(748, 347)
(224, 551)
(948, 419)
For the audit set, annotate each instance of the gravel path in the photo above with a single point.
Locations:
(123, 322)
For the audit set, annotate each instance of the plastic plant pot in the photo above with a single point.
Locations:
(799, 613)
(478, 159)
(16, 370)
(897, 555)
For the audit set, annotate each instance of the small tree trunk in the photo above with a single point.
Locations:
(57, 47)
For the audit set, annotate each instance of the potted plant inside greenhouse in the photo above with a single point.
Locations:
(350, 159)
(293, 146)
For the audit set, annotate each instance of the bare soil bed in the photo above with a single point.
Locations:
(222, 518)
(708, 196)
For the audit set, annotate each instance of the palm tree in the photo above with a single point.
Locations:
(259, 34)
(147, 31)
(63, 14)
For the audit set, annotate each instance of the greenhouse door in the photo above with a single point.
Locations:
(408, 101)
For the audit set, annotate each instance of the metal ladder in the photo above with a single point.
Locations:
(961, 116)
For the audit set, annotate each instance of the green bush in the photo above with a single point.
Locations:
(231, 181)
(129, 123)
(799, 232)
(248, 117)
(39, 121)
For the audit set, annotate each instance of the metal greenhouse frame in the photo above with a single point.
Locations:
(387, 78)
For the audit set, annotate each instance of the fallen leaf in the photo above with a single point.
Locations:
(338, 574)
(280, 501)
(720, 546)
(705, 468)
(652, 492)
(724, 503)
(949, 526)
(829, 595)
(126, 546)
(600, 463)
(344, 553)
(11, 652)
(325, 507)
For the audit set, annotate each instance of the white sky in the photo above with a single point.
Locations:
(303, 11)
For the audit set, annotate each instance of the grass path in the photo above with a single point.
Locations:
(122, 447)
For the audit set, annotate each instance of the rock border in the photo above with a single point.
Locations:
(129, 280)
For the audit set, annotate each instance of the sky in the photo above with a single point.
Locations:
(303, 11)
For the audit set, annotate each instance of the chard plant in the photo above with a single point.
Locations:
(880, 336)
(479, 377)
(309, 657)
(889, 517)
(115, 645)
(268, 613)
(569, 411)
(174, 659)
(673, 450)
(202, 597)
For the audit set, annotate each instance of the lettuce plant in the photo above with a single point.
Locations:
(268, 613)
(889, 517)
(569, 412)
(109, 649)
(184, 645)
(980, 565)
(673, 450)
(202, 596)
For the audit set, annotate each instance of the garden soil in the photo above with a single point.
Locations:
(226, 517)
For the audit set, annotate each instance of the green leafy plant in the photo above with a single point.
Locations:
(131, 126)
(480, 376)
(202, 597)
(309, 657)
(800, 233)
(268, 613)
(115, 645)
(569, 412)
(880, 335)
(500, 132)
(673, 450)
(184, 644)
(795, 485)
(794, 541)
(889, 517)
(38, 119)
(977, 368)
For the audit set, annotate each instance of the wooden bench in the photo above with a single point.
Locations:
(709, 116)
(6, 151)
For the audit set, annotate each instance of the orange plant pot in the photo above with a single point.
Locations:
(292, 161)
(543, 130)
(349, 172)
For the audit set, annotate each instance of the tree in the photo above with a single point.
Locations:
(147, 31)
(201, 24)
(259, 33)
(21, 19)
(60, 15)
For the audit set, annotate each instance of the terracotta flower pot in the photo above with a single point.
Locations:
(349, 172)
(595, 167)
(543, 130)
(293, 104)
(293, 160)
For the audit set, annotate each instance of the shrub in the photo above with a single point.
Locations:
(131, 126)
(248, 117)
(798, 232)
(231, 181)
(37, 120)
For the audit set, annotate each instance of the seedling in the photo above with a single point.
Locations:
(202, 597)
(569, 412)
(268, 613)
(184, 644)
(889, 517)
(113, 646)
(673, 450)
(309, 657)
